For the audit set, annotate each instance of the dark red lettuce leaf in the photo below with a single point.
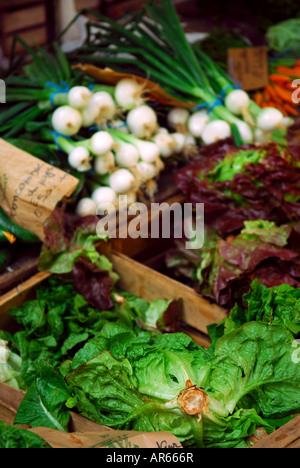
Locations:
(69, 248)
(93, 284)
(268, 190)
(223, 270)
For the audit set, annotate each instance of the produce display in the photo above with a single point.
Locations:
(118, 372)
(147, 336)
(156, 44)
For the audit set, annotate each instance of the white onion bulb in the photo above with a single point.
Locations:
(121, 181)
(245, 132)
(179, 140)
(177, 119)
(79, 159)
(128, 94)
(216, 130)
(79, 97)
(149, 151)
(66, 120)
(269, 119)
(86, 207)
(104, 195)
(89, 114)
(197, 122)
(101, 143)
(165, 143)
(237, 101)
(127, 155)
(105, 163)
(142, 122)
(146, 171)
(106, 105)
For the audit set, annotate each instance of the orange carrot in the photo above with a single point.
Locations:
(289, 86)
(274, 96)
(290, 109)
(277, 78)
(284, 94)
(282, 109)
(258, 98)
(289, 71)
(266, 94)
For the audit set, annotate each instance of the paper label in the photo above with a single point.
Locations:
(248, 67)
(111, 439)
(30, 188)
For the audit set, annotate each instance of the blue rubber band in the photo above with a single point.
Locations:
(217, 102)
(58, 135)
(58, 89)
(223, 92)
(210, 105)
(124, 124)
(237, 83)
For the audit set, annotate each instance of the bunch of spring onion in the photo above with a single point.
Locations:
(111, 137)
(126, 148)
(155, 44)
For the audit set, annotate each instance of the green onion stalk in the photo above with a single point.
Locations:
(155, 44)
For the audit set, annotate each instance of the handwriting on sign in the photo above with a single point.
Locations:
(248, 67)
(30, 188)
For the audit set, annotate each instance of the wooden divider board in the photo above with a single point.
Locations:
(150, 285)
(142, 282)
(287, 436)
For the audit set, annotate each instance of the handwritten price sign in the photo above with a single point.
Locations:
(30, 188)
(248, 67)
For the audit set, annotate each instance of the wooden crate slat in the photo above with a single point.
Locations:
(23, 19)
(90, 4)
(284, 437)
(38, 35)
(8, 5)
(149, 284)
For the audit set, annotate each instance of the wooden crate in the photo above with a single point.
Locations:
(144, 282)
(24, 265)
(28, 19)
(197, 313)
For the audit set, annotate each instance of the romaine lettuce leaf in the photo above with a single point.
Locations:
(15, 437)
(44, 402)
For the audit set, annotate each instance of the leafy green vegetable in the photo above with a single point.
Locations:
(285, 35)
(56, 324)
(276, 305)
(44, 402)
(223, 270)
(256, 359)
(10, 366)
(235, 163)
(14, 437)
(240, 380)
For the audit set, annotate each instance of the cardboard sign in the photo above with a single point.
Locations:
(105, 438)
(30, 188)
(248, 67)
